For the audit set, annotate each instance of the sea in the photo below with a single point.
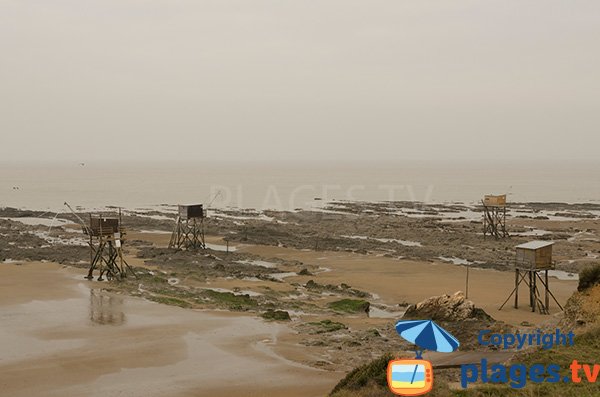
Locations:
(289, 186)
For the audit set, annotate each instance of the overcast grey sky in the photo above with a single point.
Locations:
(316, 80)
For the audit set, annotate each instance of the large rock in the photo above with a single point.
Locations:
(446, 308)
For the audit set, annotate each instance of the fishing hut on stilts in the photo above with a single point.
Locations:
(189, 228)
(494, 216)
(106, 237)
(533, 260)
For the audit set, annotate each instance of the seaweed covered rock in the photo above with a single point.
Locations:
(276, 315)
(350, 306)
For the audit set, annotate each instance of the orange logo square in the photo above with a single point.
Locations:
(408, 377)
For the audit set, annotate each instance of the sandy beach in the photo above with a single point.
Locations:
(411, 281)
(62, 336)
(196, 323)
(281, 198)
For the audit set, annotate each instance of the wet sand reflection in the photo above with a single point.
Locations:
(105, 308)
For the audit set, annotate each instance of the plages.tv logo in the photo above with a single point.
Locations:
(414, 377)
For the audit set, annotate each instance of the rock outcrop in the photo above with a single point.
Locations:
(582, 310)
(446, 308)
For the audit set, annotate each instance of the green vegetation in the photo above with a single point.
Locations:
(230, 300)
(537, 390)
(370, 380)
(589, 277)
(350, 306)
(151, 279)
(173, 291)
(276, 315)
(327, 326)
(372, 374)
(168, 300)
(336, 289)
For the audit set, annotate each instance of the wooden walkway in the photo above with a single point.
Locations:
(456, 359)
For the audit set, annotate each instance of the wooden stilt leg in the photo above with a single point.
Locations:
(517, 274)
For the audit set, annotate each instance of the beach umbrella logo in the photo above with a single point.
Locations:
(414, 377)
(427, 335)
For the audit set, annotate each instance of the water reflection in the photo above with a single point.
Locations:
(106, 308)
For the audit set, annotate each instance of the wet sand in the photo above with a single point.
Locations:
(396, 281)
(63, 336)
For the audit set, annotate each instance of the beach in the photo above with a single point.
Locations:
(199, 322)
(281, 198)
(62, 336)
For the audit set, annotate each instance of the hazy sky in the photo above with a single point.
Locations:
(317, 80)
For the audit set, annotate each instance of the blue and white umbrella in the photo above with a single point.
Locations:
(427, 335)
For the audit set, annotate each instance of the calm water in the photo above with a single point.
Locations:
(288, 186)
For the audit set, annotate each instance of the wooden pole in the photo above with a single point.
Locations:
(467, 286)
(533, 290)
(517, 274)
(91, 244)
(547, 288)
(530, 288)
(504, 232)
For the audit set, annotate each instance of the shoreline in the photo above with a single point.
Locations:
(146, 347)
(319, 205)
(380, 256)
